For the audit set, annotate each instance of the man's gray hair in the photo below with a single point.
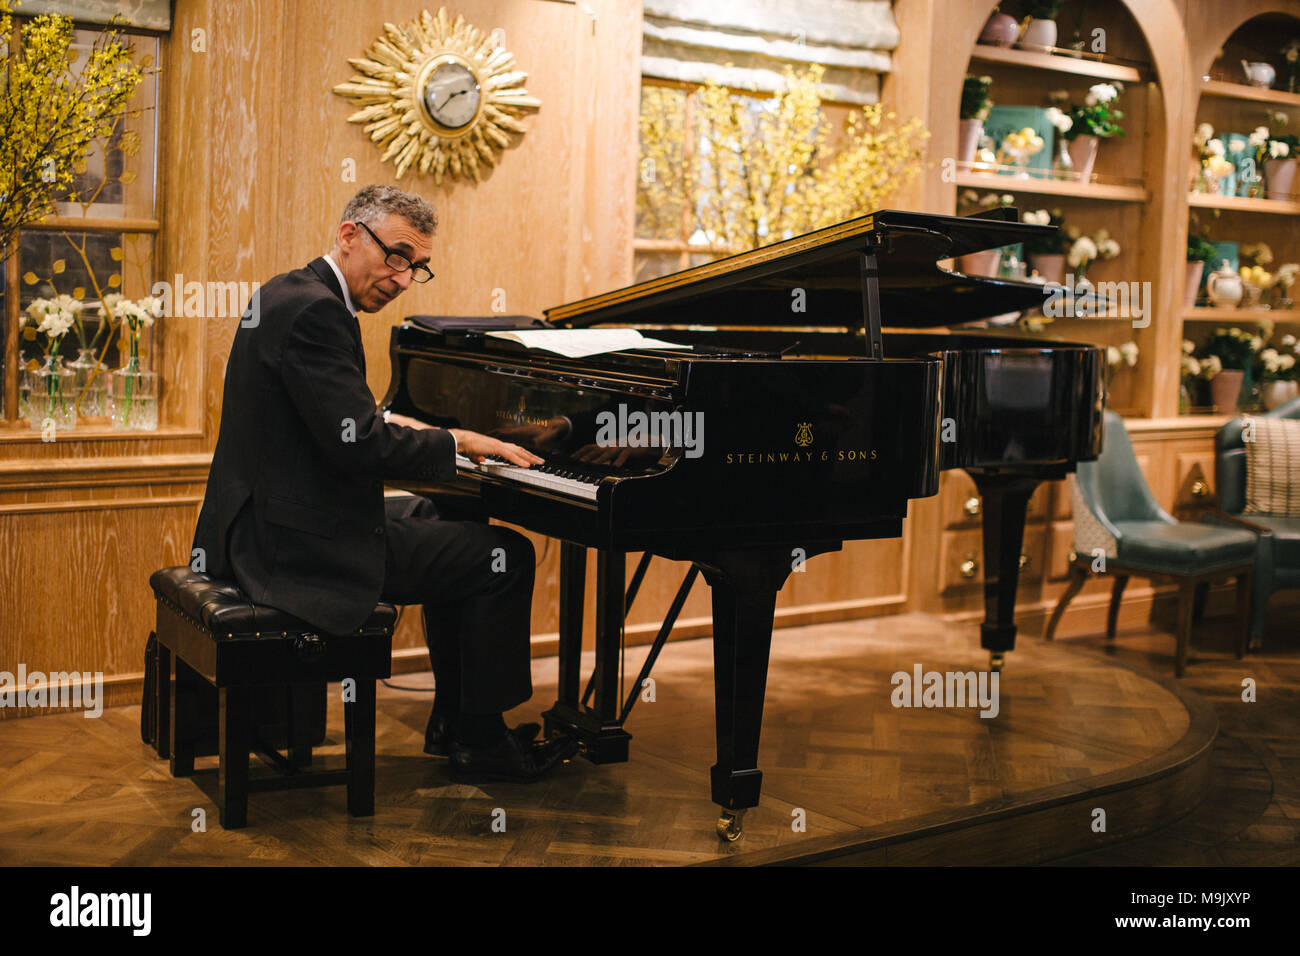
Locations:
(376, 201)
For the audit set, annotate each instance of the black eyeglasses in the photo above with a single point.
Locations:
(399, 262)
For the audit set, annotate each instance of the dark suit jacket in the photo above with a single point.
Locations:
(294, 508)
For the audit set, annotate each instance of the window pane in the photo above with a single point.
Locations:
(118, 263)
(661, 189)
(118, 178)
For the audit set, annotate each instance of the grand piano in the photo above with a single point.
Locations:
(827, 391)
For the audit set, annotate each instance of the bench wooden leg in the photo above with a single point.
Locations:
(236, 741)
(1078, 578)
(1112, 614)
(1244, 586)
(162, 702)
(359, 730)
(1186, 604)
(180, 704)
(300, 703)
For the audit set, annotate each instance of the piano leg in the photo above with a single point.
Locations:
(597, 729)
(744, 587)
(1005, 501)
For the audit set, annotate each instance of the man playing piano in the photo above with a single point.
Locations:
(295, 513)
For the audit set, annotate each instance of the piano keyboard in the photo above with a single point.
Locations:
(549, 477)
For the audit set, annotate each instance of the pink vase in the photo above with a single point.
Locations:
(999, 30)
(1279, 178)
(980, 263)
(1194, 271)
(1083, 154)
(968, 139)
(1225, 389)
(1051, 267)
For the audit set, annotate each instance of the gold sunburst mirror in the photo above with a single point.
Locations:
(438, 95)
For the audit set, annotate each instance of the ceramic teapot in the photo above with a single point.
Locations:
(1224, 286)
(1259, 74)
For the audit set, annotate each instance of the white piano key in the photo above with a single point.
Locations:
(527, 476)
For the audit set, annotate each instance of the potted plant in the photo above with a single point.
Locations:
(1277, 374)
(1232, 352)
(1085, 250)
(1040, 30)
(1097, 119)
(985, 262)
(1278, 158)
(1046, 254)
(975, 106)
(1199, 252)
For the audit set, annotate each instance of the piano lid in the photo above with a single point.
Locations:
(762, 287)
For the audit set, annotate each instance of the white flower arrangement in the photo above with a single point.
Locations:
(1214, 147)
(1126, 354)
(1100, 93)
(1211, 366)
(1191, 367)
(1278, 149)
(1188, 346)
(1205, 133)
(1083, 251)
(1039, 217)
(1058, 119)
(1258, 138)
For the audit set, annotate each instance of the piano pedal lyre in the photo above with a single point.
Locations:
(996, 660)
(731, 825)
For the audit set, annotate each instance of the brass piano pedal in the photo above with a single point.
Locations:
(731, 825)
(996, 660)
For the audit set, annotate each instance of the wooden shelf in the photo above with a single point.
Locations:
(1240, 91)
(1242, 204)
(1208, 313)
(1060, 63)
(1053, 187)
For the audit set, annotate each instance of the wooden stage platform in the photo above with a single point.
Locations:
(1076, 732)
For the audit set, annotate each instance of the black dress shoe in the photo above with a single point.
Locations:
(437, 735)
(510, 760)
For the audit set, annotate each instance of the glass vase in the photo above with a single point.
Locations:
(134, 397)
(90, 384)
(52, 402)
(1062, 164)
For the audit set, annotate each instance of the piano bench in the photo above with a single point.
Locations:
(212, 639)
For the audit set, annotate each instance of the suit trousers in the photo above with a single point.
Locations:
(475, 581)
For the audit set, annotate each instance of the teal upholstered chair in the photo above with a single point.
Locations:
(1116, 516)
(1277, 559)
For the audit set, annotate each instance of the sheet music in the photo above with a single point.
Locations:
(579, 343)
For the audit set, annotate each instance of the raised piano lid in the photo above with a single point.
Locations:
(758, 288)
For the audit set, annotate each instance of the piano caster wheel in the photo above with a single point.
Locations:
(731, 825)
(996, 661)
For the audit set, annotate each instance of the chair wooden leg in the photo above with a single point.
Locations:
(236, 742)
(1244, 587)
(1078, 578)
(1198, 607)
(1116, 595)
(300, 700)
(1186, 603)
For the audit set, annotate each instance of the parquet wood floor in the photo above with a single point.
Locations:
(88, 792)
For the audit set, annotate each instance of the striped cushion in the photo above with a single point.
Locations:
(1273, 467)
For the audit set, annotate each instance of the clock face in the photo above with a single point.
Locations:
(451, 95)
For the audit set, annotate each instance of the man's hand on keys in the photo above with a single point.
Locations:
(476, 447)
